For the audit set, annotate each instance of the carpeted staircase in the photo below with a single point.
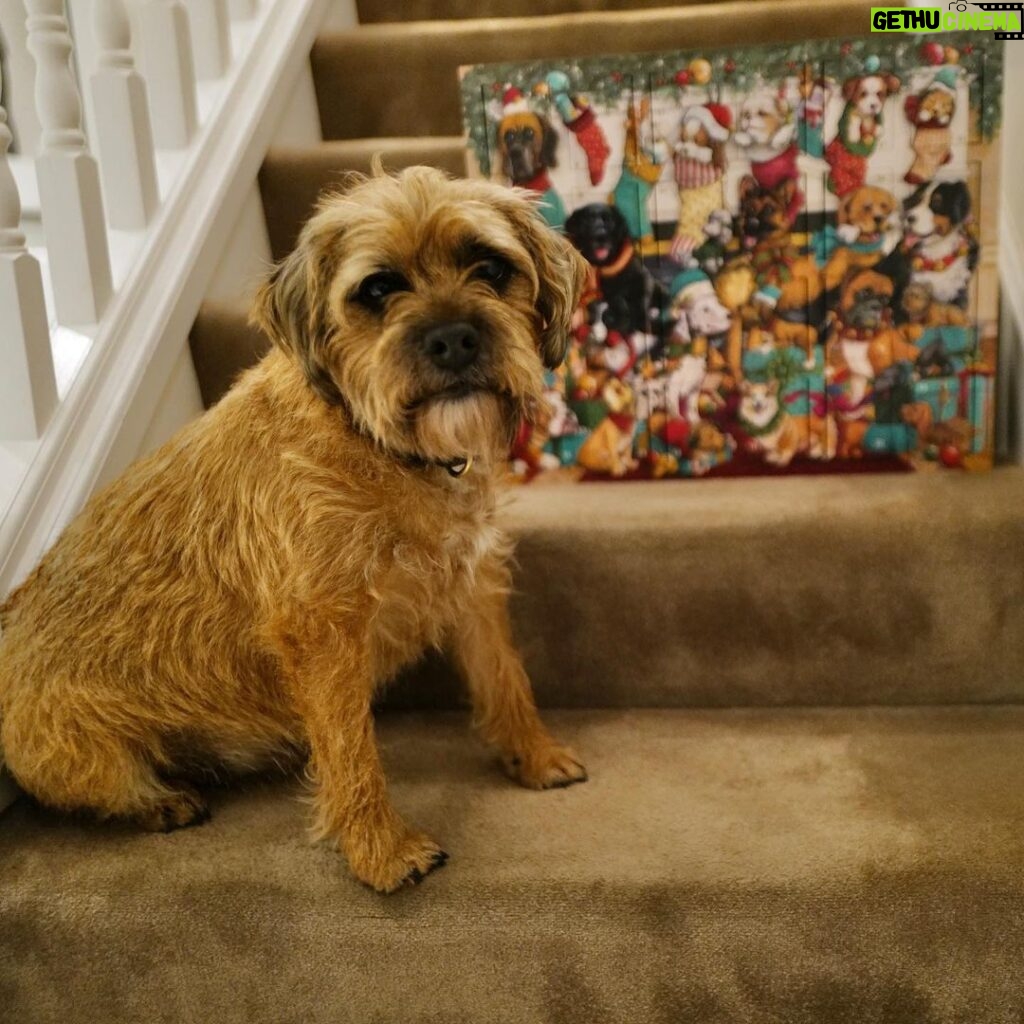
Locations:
(801, 703)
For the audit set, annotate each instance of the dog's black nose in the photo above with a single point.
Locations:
(452, 346)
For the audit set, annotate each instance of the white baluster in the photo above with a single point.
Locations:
(165, 60)
(28, 392)
(123, 135)
(20, 74)
(242, 9)
(69, 184)
(211, 37)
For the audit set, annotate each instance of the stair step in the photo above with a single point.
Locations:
(830, 590)
(378, 11)
(291, 179)
(401, 80)
(799, 866)
(223, 344)
(834, 590)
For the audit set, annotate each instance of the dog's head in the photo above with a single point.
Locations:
(759, 399)
(427, 307)
(868, 93)
(936, 108)
(701, 137)
(937, 209)
(764, 211)
(527, 143)
(869, 209)
(762, 119)
(865, 298)
(916, 299)
(599, 232)
(618, 396)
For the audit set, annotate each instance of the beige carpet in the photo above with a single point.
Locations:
(806, 867)
(395, 80)
(775, 865)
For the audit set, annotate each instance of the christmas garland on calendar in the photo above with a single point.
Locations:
(606, 80)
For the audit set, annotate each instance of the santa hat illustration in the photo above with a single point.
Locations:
(513, 101)
(944, 80)
(715, 118)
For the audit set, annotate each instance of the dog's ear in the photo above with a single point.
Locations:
(291, 308)
(575, 219)
(785, 191)
(843, 213)
(892, 85)
(850, 87)
(748, 186)
(915, 197)
(959, 202)
(561, 275)
(549, 143)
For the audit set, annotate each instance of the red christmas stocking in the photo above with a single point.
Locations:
(591, 138)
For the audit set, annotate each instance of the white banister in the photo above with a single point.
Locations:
(124, 139)
(165, 60)
(28, 390)
(69, 184)
(210, 28)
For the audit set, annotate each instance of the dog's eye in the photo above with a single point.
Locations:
(494, 270)
(377, 287)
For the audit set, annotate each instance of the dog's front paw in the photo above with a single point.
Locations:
(387, 867)
(546, 767)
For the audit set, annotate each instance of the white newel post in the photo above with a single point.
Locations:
(28, 392)
(124, 138)
(69, 183)
(242, 9)
(165, 60)
(211, 37)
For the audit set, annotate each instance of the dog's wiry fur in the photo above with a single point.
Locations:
(238, 597)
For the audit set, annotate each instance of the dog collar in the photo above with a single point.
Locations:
(540, 182)
(625, 255)
(455, 468)
(753, 430)
(920, 262)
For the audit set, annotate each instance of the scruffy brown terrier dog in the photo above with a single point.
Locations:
(242, 593)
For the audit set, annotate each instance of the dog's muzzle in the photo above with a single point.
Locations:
(452, 346)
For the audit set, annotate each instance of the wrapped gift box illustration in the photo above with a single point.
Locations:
(793, 252)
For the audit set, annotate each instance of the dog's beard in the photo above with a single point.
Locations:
(478, 425)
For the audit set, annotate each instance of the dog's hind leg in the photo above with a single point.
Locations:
(71, 766)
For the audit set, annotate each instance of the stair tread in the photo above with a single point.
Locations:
(292, 179)
(381, 11)
(834, 589)
(400, 79)
(858, 861)
(605, 18)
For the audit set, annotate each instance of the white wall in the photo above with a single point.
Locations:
(1010, 408)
